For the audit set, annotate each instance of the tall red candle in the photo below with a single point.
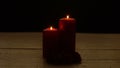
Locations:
(67, 29)
(50, 41)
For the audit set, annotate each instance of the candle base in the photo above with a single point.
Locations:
(64, 58)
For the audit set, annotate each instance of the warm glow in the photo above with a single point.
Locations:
(67, 16)
(51, 27)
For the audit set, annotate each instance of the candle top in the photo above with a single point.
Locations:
(50, 29)
(67, 18)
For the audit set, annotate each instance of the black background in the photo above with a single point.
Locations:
(93, 16)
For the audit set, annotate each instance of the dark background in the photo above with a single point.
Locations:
(93, 16)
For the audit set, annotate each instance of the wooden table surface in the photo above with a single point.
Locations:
(24, 50)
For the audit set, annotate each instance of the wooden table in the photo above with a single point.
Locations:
(24, 50)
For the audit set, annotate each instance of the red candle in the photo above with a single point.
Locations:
(50, 41)
(67, 30)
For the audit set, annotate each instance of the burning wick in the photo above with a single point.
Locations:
(51, 27)
(67, 16)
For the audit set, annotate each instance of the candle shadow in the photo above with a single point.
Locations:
(58, 66)
(63, 60)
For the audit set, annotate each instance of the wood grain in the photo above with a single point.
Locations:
(24, 50)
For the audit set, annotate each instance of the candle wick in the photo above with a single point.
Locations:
(67, 16)
(51, 28)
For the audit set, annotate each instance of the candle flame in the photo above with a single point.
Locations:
(51, 27)
(67, 16)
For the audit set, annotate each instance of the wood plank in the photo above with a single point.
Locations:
(26, 58)
(115, 65)
(100, 54)
(24, 50)
(20, 58)
(97, 41)
(84, 65)
(83, 41)
(87, 55)
(21, 40)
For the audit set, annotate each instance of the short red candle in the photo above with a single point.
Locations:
(50, 41)
(67, 28)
